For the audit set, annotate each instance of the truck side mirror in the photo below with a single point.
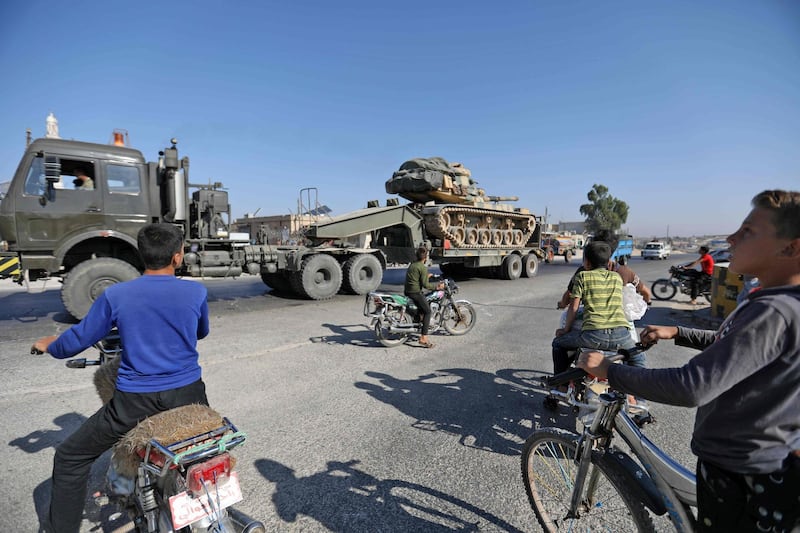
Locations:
(52, 169)
(52, 174)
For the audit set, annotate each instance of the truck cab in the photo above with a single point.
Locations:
(56, 225)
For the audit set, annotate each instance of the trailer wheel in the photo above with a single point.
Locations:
(567, 256)
(361, 274)
(320, 276)
(530, 265)
(511, 267)
(549, 255)
(87, 281)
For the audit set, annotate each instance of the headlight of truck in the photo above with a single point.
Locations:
(3, 246)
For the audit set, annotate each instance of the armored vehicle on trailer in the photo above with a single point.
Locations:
(455, 209)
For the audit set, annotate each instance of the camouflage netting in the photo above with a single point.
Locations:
(168, 427)
(427, 174)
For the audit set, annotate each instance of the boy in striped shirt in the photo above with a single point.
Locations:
(604, 324)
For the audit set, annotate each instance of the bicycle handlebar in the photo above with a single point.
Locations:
(577, 373)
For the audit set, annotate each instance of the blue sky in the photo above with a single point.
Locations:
(684, 110)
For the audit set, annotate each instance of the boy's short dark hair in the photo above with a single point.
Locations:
(422, 252)
(704, 249)
(158, 243)
(607, 236)
(785, 207)
(597, 253)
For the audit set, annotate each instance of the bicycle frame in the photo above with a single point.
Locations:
(674, 483)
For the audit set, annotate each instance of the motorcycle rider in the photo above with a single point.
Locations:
(159, 318)
(702, 277)
(417, 279)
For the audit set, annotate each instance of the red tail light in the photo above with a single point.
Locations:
(212, 471)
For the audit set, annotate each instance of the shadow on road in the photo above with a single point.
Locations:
(106, 517)
(345, 498)
(491, 412)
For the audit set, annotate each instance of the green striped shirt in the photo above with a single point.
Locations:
(600, 291)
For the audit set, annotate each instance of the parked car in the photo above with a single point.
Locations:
(720, 256)
(656, 250)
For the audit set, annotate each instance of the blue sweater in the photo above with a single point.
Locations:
(160, 319)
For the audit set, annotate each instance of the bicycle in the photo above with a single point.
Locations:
(580, 481)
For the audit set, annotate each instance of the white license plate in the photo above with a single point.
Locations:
(187, 510)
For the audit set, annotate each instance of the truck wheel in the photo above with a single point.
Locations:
(320, 276)
(548, 255)
(87, 280)
(530, 266)
(511, 267)
(567, 256)
(361, 274)
(277, 282)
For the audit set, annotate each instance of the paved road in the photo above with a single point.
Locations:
(344, 434)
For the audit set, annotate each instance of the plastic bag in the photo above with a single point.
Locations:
(578, 319)
(633, 303)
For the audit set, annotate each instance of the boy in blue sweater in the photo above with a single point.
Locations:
(159, 318)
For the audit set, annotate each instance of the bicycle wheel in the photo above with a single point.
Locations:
(662, 289)
(548, 470)
(455, 326)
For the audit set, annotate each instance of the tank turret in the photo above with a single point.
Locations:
(456, 209)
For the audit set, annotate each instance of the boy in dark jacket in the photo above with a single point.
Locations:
(159, 318)
(417, 279)
(745, 383)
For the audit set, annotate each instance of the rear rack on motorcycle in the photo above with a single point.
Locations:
(381, 298)
(193, 449)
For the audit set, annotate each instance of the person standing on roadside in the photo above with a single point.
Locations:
(745, 382)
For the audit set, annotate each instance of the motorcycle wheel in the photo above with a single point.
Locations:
(663, 289)
(387, 337)
(451, 322)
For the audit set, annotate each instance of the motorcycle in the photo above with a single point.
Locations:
(394, 317)
(679, 280)
(173, 471)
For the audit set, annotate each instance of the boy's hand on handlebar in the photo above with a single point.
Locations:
(595, 363)
(651, 334)
(41, 346)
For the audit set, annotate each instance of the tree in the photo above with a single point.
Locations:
(604, 211)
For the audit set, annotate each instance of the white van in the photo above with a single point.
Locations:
(656, 250)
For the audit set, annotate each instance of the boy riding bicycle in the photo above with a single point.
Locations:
(745, 383)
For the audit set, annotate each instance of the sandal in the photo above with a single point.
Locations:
(426, 344)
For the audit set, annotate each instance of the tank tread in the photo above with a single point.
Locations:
(476, 227)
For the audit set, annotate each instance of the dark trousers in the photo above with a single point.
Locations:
(74, 457)
(697, 280)
(566, 346)
(728, 502)
(424, 309)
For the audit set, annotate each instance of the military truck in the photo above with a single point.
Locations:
(56, 227)
(555, 245)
